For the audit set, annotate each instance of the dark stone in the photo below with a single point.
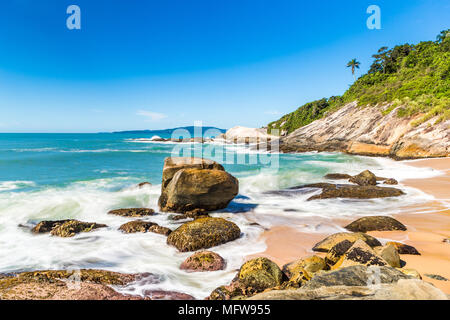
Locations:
(365, 178)
(404, 248)
(144, 226)
(337, 176)
(375, 223)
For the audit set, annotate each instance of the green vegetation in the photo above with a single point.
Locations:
(414, 77)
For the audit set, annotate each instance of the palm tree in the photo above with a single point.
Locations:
(353, 64)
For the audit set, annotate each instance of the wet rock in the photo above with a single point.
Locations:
(84, 284)
(404, 289)
(436, 277)
(173, 164)
(72, 227)
(133, 212)
(330, 191)
(144, 226)
(200, 189)
(203, 233)
(329, 242)
(337, 176)
(337, 251)
(360, 253)
(309, 264)
(390, 254)
(365, 178)
(260, 274)
(404, 248)
(47, 226)
(375, 223)
(144, 184)
(203, 261)
(358, 275)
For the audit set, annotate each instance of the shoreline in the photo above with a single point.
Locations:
(428, 224)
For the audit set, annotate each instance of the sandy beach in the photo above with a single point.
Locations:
(428, 225)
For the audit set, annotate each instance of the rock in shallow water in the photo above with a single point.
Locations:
(192, 189)
(203, 261)
(66, 228)
(144, 226)
(365, 178)
(133, 212)
(375, 223)
(203, 233)
(260, 274)
(330, 191)
(173, 164)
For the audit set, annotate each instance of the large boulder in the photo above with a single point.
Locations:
(404, 289)
(196, 184)
(309, 264)
(203, 261)
(173, 164)
(329, 242)
(203, 233)
(66, 228)
(133, 212)
(360, 254)
(375, 223)
(365, 178)
(260, 274)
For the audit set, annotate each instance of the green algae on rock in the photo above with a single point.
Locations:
(260, 274)
(329, 242)
(203, 261)
(203, 233)
(133, 212)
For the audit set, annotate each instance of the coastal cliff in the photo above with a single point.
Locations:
(366, 131)
(400, 108)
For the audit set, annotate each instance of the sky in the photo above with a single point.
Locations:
(137, 64)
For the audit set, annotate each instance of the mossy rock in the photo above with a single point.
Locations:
(144, 226)
(365, 178)
(133, 212)
(203, 261)
(200, 189)
(72, 227)
(203, 233)
(329, 242)
(260, 274)
(404, 248)
(309, 264)
(375, 223)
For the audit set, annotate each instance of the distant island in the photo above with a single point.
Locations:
(165, 132)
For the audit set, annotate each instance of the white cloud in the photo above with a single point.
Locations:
(151, 116)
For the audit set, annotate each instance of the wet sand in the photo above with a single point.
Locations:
(428, 224)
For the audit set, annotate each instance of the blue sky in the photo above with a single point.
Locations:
(158, 64)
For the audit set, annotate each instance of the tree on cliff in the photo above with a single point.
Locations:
(353, 64)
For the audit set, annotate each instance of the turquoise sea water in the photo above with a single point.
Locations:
(83, 176)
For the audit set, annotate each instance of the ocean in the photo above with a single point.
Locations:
(83, 176)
